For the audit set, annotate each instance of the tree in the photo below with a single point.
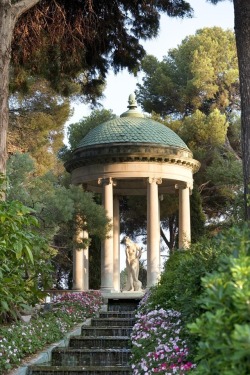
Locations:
(9, 14)
(48, 208)
(202, 71)
(60, 39)
(242, 35)
(36, 123)
(195, 92)
(55, 205)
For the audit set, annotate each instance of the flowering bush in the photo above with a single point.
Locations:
(157, 347)
(21, 339)
(89, 301)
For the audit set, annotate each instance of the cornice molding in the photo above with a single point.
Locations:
(115, 153)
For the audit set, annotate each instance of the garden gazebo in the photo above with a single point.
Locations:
(133, 155)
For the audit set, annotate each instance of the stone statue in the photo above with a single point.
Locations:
(133, 254)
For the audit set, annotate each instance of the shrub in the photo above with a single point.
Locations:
(224, 328)
(24, 259)
(89, 302)
(180, 283)
(157, 346)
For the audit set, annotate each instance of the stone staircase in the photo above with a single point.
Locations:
(102, 348)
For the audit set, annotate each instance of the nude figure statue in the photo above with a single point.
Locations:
(133, 254)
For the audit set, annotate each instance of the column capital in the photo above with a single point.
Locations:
(184, 185)
(151, 180)
(106, 181)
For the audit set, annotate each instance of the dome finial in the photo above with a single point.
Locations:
(133, 111)
(132, 101)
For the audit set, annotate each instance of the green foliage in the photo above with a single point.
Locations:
(201, 73)
(55, 205)
(199, 129)
(225, 176)
(77, 131)
(225, 170)
(224, 328)
(234, 132)
(24, 259)
(180, 283)
(48, 208)
(198, 218)
(36, 124)
(74, 44)
(195, 92)
(93, 213)
(220, 177)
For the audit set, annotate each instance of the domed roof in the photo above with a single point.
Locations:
(132, 130)
(132, 127)
(130, 138)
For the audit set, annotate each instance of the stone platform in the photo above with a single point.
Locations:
(123, 295)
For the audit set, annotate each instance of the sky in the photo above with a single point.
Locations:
(172, 32)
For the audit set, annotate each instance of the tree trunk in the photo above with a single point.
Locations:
(6, 32)
(242, 34)
(8, 16)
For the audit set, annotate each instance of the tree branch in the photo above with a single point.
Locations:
(22, 6)
(228, 146)
(164, 237)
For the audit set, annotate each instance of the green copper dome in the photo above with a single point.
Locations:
(132, 130)
(132, 127)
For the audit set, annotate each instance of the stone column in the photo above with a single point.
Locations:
(116, 233)
(184, 217)
(153, 232)
(107, 251)
(78, 260)
(85, 263)
(148, 238)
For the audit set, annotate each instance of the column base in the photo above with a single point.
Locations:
(106, 289)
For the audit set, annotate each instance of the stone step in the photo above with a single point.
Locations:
(124, 304)
(102, 349)
(106, 331)
(90, 357)
(79, 370)
(108, 322)
(117, 314)
(101, 342)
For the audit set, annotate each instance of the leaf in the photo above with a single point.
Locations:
(29, 254)
(5, 305)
